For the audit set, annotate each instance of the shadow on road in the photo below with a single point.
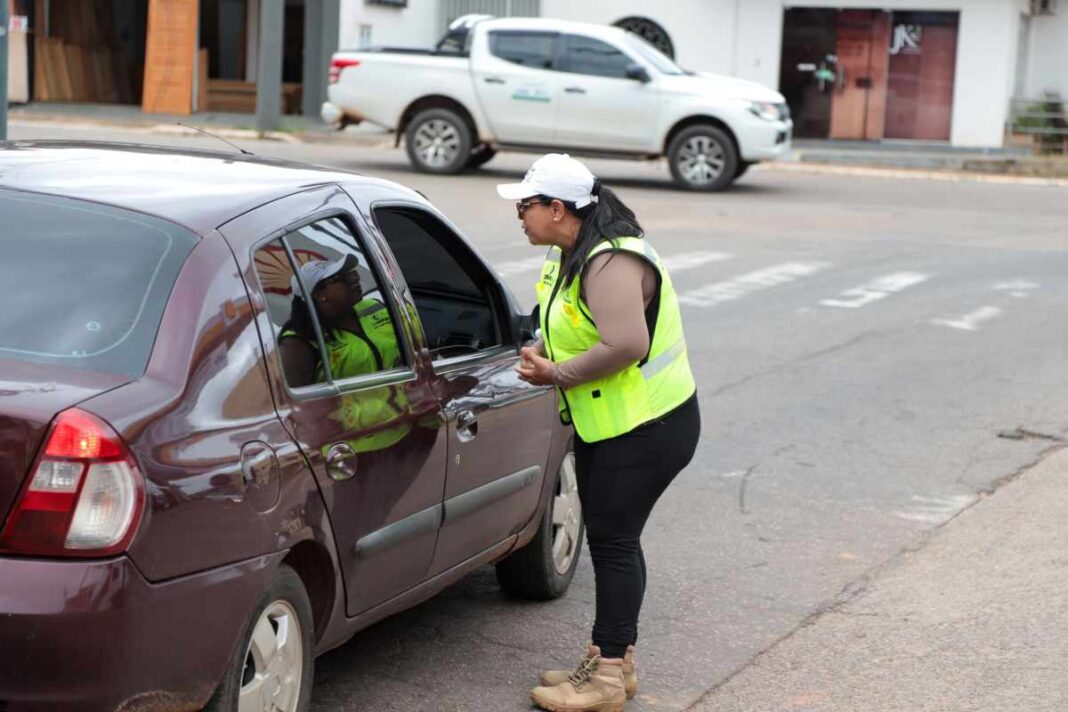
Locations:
(613, 179)
(434, 655)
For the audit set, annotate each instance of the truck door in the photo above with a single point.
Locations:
(517, 84)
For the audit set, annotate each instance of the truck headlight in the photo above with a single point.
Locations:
(768, 111)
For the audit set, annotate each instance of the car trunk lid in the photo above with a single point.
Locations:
(31, 395)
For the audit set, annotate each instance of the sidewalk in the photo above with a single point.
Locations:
(293, 129)
(975, 620)
(928, 156)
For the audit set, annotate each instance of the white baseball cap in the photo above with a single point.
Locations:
(315, 271)
(555, 175)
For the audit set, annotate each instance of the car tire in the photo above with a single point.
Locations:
(538, 571)
(743, 166)
(481, 156)
(703, 158)
(438, 141)
(282, 617)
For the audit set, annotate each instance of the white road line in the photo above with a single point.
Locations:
(875, 290)
(674, 263)
(514, 267)
(720, 292)
(691, 260)
(1017, 288)
(935, 510)
(970, 322)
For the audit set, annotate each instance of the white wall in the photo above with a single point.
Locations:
(701, 30)
(1047, 68)
(412, 26)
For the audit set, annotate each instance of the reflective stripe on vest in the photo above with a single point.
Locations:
(616, 404)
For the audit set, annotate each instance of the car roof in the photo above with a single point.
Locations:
(194, 188)
(550, 25)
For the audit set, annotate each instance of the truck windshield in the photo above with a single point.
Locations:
(651, 54)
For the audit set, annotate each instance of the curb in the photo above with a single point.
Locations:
(298, 136)
(913, 173)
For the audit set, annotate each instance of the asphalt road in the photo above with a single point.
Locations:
(862, 344)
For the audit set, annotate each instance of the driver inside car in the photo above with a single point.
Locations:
(360, 340)
(358, 331)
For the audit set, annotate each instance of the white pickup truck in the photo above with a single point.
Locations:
(548, 85)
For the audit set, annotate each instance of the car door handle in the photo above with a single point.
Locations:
(341, 462)
(493, 80)
(575, 90)
(466, 426)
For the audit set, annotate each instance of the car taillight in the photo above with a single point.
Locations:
(337, 64)
(85, 496)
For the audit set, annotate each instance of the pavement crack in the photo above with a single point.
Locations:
(742, 490)
(1020, 433)
(859, 338)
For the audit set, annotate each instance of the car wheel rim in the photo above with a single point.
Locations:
(567, 516)
(701, 160)
(437, 143)
(274, 662)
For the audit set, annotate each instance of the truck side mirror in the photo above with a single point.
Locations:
(638, 73)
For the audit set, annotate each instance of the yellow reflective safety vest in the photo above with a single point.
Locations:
(644, 391)
(380, 409)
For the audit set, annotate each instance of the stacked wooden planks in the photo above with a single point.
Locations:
(239, 97)
(79, 60)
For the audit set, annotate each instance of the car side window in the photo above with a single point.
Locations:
(449, 285)
(332, 321)
(585, 55)
(530, 49)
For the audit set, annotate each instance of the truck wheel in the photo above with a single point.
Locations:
(702, 158)
(438, 141)
(272, 667)
(542, 570)
(480, 156)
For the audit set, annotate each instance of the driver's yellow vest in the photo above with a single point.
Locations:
(645, 390)
(378, 412)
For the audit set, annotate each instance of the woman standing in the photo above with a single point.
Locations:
(612, 343)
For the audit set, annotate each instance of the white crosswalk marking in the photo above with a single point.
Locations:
(674, 263)
(732, 289)
(1017, 289)
(935, 510)
(875, 290)
(971, 321)
(690, 260)
(514, 267)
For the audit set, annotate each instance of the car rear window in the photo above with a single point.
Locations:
(84, 285)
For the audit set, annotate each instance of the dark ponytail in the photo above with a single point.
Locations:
(604, 219)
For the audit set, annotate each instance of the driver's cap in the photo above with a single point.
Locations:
(315, 271)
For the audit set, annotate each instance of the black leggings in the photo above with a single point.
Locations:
(619, 481)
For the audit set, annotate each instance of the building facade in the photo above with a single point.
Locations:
(927, 70)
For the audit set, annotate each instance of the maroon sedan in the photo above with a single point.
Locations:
(247, 408)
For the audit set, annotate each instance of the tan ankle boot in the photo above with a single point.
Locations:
(596, 686)
(549, 678)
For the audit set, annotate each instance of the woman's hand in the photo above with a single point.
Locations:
(535, 368)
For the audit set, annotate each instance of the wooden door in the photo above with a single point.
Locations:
(170, 56)
(922, 71)
(859, 103)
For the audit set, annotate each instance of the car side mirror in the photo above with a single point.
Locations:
(638, 73)
(524, 327)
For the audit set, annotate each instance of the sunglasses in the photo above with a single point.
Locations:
(521, 206)
(341, 276)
